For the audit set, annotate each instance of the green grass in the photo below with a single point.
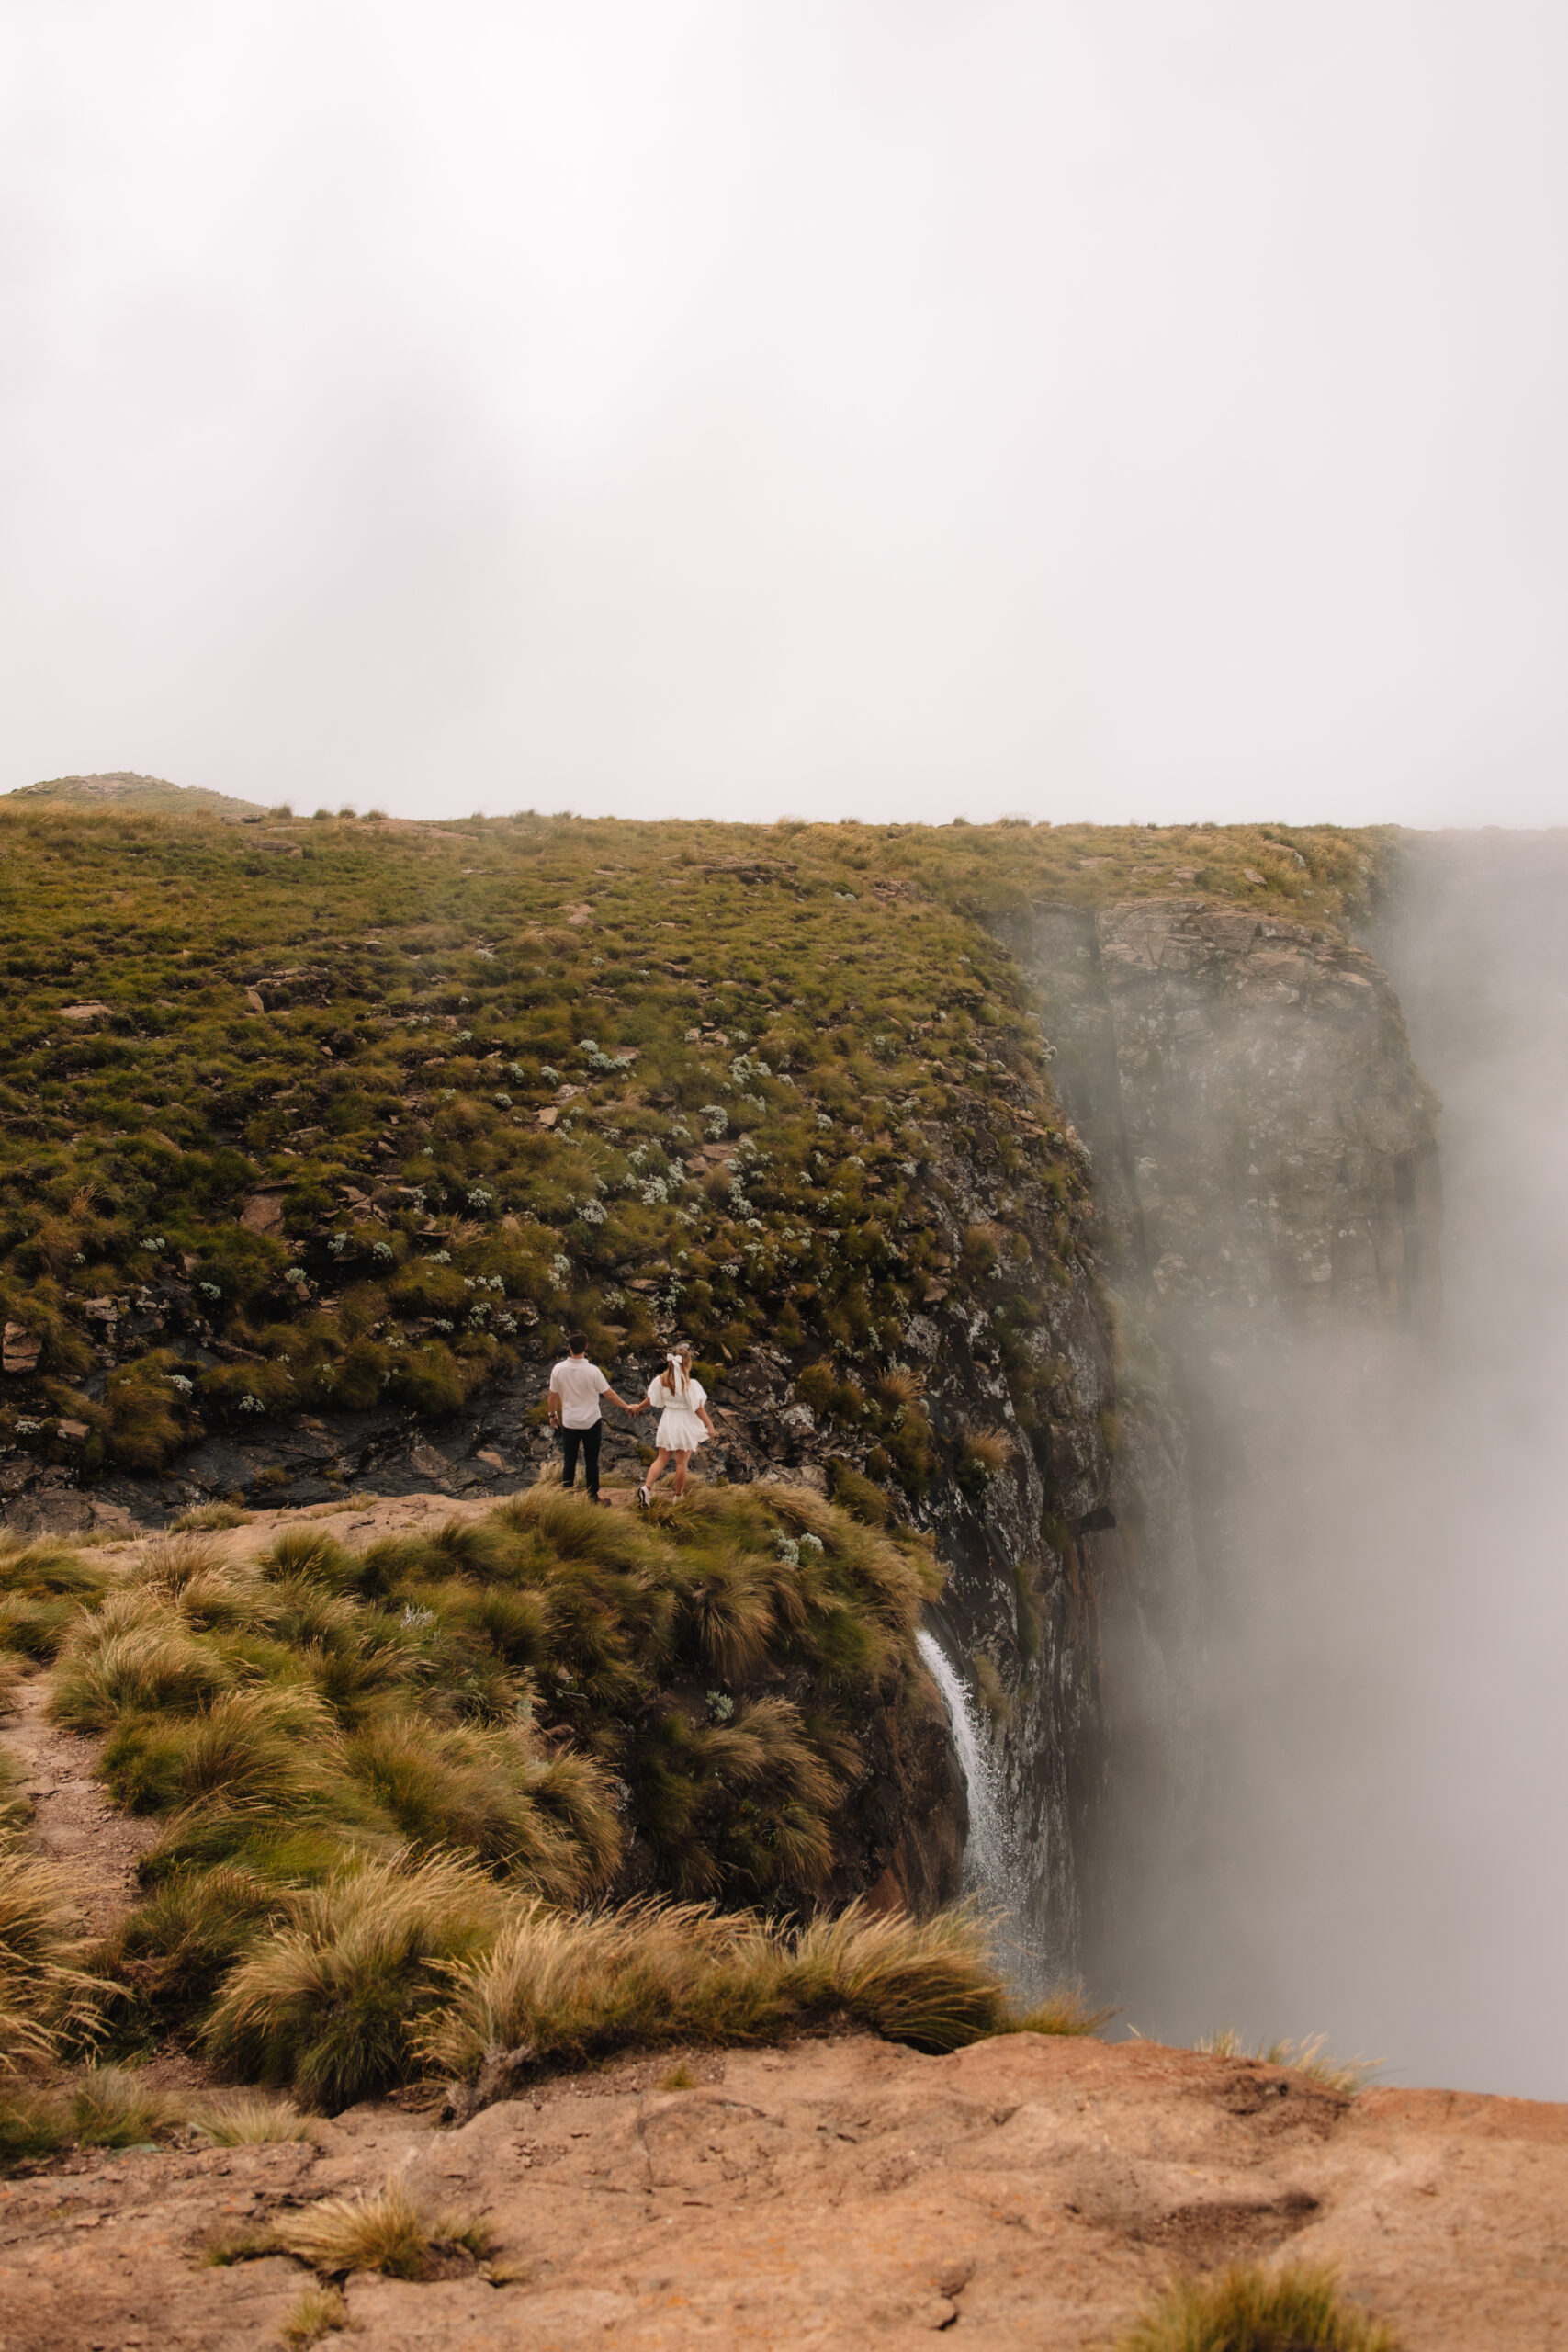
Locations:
(43, 1586)
(393, 1787)
(358, 1760)
(94, 2105)
(811, 996)
(1294, 2310)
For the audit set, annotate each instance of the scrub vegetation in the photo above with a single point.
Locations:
(546, 1783)
(311, 1114)
(1296, 2310)
(1309, 2057)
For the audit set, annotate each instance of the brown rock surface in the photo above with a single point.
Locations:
(1025, 2192)
(73, 1820)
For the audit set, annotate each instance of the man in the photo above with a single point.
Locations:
(576, 1386)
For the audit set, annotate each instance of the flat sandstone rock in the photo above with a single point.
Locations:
(1024, 2194)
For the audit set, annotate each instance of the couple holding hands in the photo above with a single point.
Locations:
(681, 1402)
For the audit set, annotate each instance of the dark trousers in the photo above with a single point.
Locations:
(589, 1441)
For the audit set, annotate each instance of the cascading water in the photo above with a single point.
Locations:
(989, 1870)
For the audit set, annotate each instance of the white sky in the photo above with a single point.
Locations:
(1103, 408)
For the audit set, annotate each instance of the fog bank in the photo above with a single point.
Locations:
(1375, 1733)
(1113, 410)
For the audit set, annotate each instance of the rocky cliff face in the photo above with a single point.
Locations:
(1266, 1166)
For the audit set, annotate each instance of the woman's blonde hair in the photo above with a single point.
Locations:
(678, 1359)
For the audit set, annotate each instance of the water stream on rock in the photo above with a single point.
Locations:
(988, 1858)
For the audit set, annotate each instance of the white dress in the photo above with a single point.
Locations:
(680, 1431)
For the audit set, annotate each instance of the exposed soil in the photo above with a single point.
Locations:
(73, 1820)
(1024, 2194)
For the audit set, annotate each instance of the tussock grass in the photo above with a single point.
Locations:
(44, 1587)
(135, 1668)
(384, 1785)
(1309, 2058)
(930, 1983)
(1294, 2310)
(247, 2122)
(433, 1968)
(47, 1995)
(319, 2311)
(32, 2125)
(167, 1958)
(208, 1516)
(112, 2107)
(473, 1690)
(556, 1989)
(91, 2106)
(329, 2004)
(1064, 2010)
(387, 2231)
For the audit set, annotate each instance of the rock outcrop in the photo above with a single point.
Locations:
(834, 2194)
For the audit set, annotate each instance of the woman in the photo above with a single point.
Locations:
(683, 1424)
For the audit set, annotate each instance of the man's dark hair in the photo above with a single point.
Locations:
(577, 1342)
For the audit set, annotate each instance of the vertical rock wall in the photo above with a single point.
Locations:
(1265, 1170)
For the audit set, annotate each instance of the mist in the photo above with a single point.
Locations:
(1122, 411)
(1369, 1846)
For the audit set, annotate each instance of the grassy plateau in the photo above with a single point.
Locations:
(304, 1115)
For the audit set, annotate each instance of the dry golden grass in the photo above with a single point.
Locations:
(1294, 2310)
(1066, 2009)
(243, 2120)
(1309, 2058)
(384, 2230)
(329, 2003)
(113, 2106)
(46, 1994)
(319, 2311)
(559, 1989)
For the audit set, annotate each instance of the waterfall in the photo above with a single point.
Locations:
(989, 1869)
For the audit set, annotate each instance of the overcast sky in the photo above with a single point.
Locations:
(899, 408)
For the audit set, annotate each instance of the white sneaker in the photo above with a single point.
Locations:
(644, 1499)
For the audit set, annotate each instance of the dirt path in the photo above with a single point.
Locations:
(73, 1820)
